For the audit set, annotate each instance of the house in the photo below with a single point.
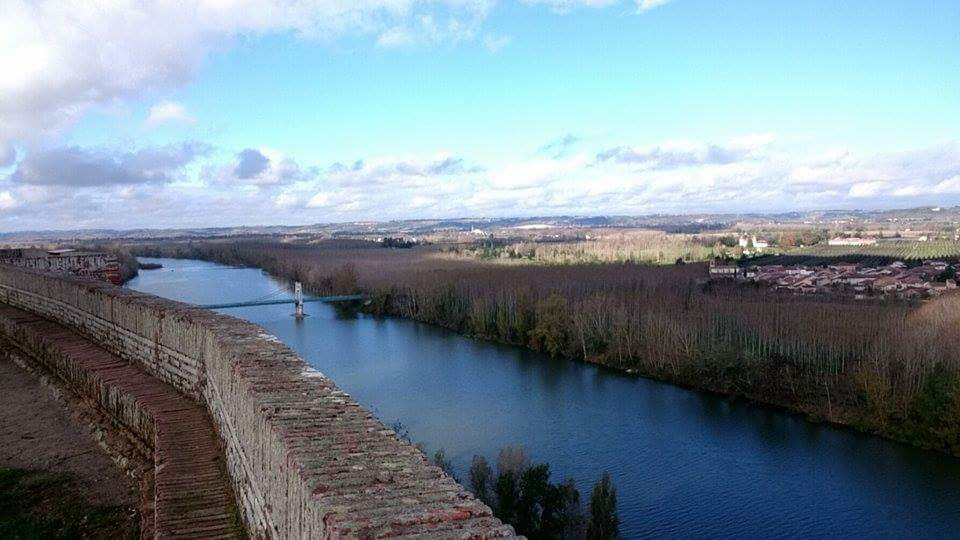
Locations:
(938, 288)
(854, 280)
(885, 284)
(94, 264)
(720, 270)
(914, 282)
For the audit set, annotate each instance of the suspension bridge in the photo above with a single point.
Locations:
(276, 297)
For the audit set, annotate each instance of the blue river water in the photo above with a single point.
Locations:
(685, 464)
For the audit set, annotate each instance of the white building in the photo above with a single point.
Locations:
(752, 241)
(853, 241)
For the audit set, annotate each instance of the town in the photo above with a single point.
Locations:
(897, 279)
(94, 264)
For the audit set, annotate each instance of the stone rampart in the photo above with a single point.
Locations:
(306, 460)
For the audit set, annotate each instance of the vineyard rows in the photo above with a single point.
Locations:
(875, 255)
(907, 251)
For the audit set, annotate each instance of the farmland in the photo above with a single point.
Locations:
(870, 255)
(599, 246)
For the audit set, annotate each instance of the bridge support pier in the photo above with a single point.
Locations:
(298, 299)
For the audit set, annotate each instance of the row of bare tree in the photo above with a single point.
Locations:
(885, 367)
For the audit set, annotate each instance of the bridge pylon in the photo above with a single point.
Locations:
(298, 299)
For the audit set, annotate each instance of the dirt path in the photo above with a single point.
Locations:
(38, 434)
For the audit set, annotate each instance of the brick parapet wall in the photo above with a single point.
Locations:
(306, 460)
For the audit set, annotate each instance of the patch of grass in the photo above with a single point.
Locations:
(41, 504)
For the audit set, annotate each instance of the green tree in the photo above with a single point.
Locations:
(481, 479)
(550, 334)
(507, 492)
(570, 514)
(604, 522)
(524, 497)
(559, 511)
(534, 491)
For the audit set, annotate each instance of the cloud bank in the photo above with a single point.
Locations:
(190, 185)
(77, 167)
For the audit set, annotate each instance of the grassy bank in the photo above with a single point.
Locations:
(887, 368)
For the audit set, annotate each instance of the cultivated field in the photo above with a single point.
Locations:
(881, 253)
(594, 246)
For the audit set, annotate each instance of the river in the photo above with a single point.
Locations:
(685, 464)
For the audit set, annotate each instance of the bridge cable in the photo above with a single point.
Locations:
(269, 296)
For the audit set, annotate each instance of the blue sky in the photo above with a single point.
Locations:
(450, 108)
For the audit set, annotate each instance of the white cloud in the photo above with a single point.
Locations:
(8, 154)
(7, 201)
(388, 186)
(256, 168)
(566, 6)
(866, 189)
(286, 200)
(558, 148)
(647, 5)
(907, 191)
(948, 186)
(80, 167)
(684, 153)
(396, 37)
(534, 172)
(169, 112)
(764, 178)
(320, 200)
(494, 43)
(429, 29)
(397, 172)
(422, 202)
(60, 57)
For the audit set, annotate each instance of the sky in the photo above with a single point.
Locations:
(190, 113)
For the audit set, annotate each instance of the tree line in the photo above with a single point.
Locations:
(885, 367)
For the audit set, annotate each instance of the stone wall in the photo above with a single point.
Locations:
(306, 460)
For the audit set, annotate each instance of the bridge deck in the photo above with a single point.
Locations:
(193, 497)
(329, 299)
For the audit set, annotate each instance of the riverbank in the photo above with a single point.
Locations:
(928, 421)
(886, 369)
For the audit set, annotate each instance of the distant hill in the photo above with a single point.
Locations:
(674, 223)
